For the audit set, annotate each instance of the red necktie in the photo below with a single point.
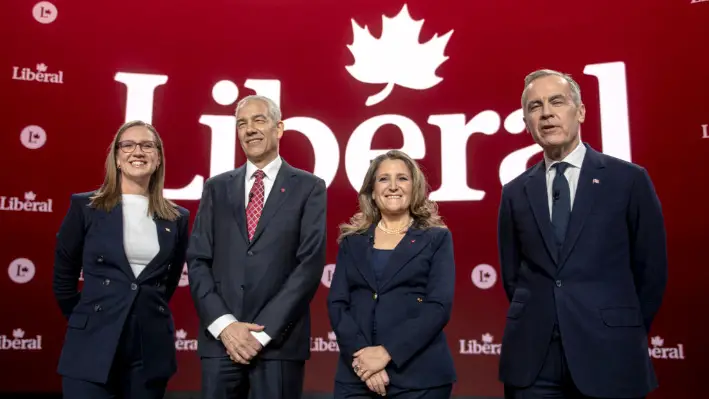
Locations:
(255, 206)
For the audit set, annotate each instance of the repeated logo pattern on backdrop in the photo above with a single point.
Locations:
(21, 270)
(18, 341)
(40, 74)
(27, 203)
(33, 137)
(401, 59)
(45, 12)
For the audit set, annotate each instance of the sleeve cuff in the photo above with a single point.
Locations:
(261, 337)
(220, 324)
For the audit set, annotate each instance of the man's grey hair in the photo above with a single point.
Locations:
(540, 73)
(274, 111)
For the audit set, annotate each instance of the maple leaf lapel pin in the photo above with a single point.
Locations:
(397, 57)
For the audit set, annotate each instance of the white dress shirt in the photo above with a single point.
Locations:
(575, 159)
(270, 171)
(140, 235)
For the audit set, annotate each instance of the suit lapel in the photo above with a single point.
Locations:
(235, 195)
(282, 187)
(410, 245)
(114, 229)
(166, 238)
(536, 189)
(364, 245)
(584, 199)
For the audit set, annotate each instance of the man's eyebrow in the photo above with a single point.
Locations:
(253, 117)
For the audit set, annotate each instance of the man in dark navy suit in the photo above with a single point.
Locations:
(583, 259)
(255, 260)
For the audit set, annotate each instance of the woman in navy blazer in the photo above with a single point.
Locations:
(392, 290)
(130, 242)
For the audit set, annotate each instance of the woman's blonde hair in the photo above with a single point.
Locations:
(423, 210)
(109, 194)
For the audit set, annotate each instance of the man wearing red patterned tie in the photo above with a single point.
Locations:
(255, 259)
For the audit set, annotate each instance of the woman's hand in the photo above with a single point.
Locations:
(378, 382)
(370, 360)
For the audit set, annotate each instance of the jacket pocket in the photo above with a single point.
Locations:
(78, 321)
(621, 317)
(516, 309)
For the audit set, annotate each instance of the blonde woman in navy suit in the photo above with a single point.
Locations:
(392, 291)
(130, 242)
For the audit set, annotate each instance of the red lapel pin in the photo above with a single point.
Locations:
(413, 241)
(283, 190)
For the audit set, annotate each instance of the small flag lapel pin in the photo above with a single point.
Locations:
(167, 229)
(596, 181)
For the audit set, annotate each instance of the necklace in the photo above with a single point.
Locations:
(394, 231)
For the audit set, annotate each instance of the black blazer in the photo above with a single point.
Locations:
(93, 240)
(270, 280)
(605, 287)
(411, 306)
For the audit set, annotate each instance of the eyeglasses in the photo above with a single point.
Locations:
(129, 146)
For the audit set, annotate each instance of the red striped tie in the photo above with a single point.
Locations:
(255, 206)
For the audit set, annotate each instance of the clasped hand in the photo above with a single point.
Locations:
(369, 364)
(240, 344)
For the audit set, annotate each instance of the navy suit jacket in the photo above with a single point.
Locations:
(93, 240)
(605, 287)
(411, 305)
(270, 280)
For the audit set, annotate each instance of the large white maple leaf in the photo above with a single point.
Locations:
(396, 57)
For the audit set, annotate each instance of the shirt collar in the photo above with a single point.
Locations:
(575, 158)
(270, 170)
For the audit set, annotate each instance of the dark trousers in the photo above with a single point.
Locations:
(361, 391)
(553, 381)
(126, 377)
(222, 378)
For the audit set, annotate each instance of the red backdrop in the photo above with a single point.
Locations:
(443, 79)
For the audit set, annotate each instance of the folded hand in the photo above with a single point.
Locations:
(370, 360)
(240, 344)
(378, 382)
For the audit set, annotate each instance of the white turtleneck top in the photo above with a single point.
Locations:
(140, 235)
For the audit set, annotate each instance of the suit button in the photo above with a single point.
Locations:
(133, 286)
(97, 308)
(558, 283)
(169, 265)
(106, 282)
(161, 309)
(242, 287)
(250, 253)
(375, 296)
(99, 259)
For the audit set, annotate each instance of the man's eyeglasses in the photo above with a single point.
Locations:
(129, 146)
